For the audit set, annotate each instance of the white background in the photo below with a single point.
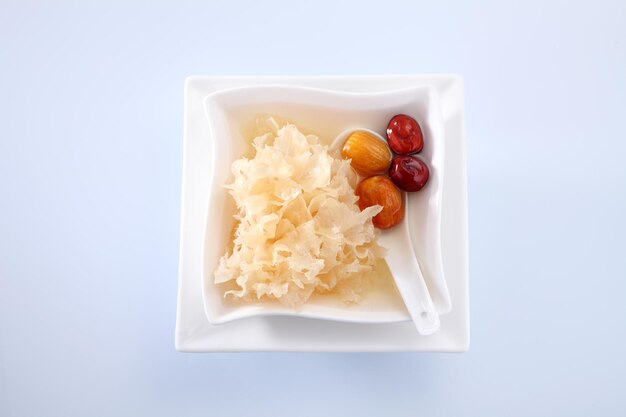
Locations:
(91, 102)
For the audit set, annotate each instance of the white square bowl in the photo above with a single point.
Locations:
(325, 113)
(194, 333)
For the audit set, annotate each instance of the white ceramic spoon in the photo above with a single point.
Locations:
(402, 262)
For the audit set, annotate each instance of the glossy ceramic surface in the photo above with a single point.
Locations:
(193, 330)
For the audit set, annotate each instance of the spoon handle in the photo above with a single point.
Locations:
(409, 279)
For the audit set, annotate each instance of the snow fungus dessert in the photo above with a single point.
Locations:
(299, 229)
